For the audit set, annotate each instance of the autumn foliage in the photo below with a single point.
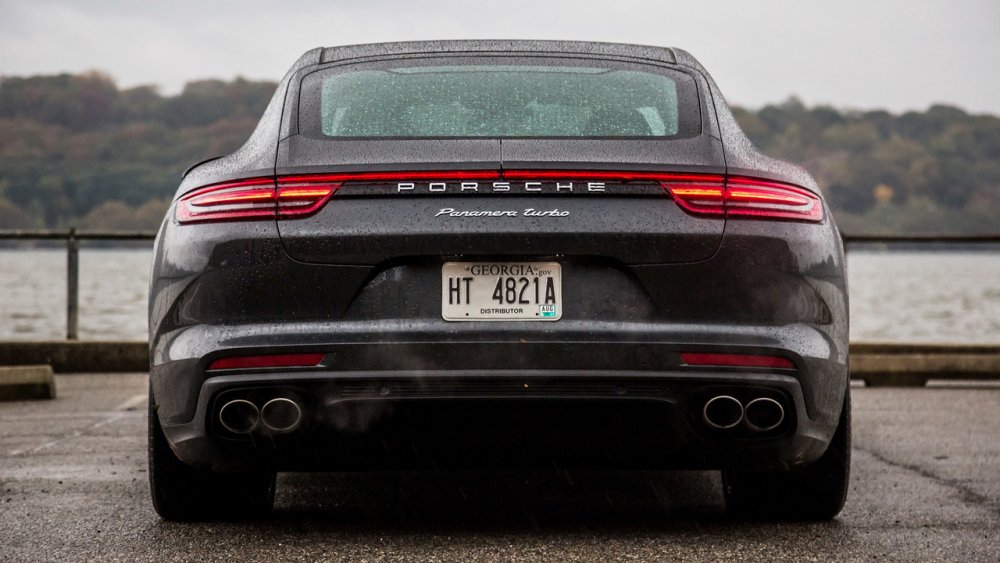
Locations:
(76, 150)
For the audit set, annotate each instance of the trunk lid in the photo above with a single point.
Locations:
(538, 205)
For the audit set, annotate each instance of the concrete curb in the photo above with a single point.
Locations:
(67, 356)
(900, 364)
(21, 383)
(916, 369)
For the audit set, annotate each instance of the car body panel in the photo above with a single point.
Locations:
(359, 282)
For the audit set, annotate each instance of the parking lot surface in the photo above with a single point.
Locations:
(925, 486)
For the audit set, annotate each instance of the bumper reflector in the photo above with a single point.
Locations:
(736, 360)
(269, 361)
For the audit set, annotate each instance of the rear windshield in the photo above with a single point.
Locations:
(599, 99)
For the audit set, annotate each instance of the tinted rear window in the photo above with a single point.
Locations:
(599, 99)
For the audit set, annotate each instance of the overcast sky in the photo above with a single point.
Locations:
(893, 54)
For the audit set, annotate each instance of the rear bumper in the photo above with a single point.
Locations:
(473, 397)
(626, 420)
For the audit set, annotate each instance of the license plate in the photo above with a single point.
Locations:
(501, 291)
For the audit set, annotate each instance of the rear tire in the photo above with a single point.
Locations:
(815, 492)
(184, 493)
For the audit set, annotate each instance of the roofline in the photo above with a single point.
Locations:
(505, 46)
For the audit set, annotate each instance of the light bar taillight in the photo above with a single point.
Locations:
(256, 198)
(708, 195)
(268, 361)
(292, 196)
(736, 360)
(746, 197)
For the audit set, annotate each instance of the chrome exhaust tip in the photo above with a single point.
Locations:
(763, 414)
(723, 412)
(281, 415)
(239, 416)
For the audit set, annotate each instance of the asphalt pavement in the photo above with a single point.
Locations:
(925, 487)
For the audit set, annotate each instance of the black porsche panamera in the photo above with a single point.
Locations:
(498, 254)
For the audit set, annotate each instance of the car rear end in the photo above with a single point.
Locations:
(498, 259)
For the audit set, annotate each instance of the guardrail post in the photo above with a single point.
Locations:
(72, 285)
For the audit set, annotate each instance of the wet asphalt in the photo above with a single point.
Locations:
(925, 487)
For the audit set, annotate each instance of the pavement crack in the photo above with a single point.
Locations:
(965, 494)
(133, 402)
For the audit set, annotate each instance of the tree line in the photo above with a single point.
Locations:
(77, 150)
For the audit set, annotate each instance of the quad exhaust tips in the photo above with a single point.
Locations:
(279, 415)
(724, 412)
(239, 416)
(764, 414)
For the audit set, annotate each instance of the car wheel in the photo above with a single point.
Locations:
(184, 493)
(815, 492)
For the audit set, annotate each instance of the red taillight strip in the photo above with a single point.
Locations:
(394, 176)
(303, 198)
(714, 193)
(240, 199)
(709, 194)
(303, 194)
(293, 193)
(624, 176)
(751, 197)
(268, 361)
(258, 198)
(747, 198)
(236, 196)
(736, 360)
(698, 199)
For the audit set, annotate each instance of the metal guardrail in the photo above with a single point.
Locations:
(54, 234)
(74, 236)
(920, 239)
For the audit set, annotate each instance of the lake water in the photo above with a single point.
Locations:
(901, 296)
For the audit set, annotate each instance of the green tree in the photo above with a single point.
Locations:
(75, 149)
(14, 217)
